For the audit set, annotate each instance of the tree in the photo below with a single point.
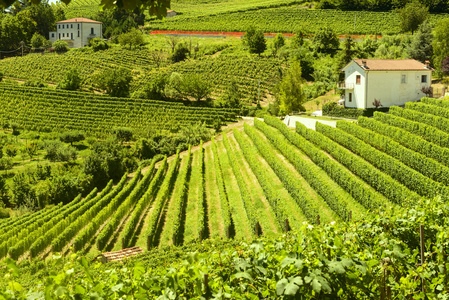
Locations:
(278, 42)
(72, 137)
(298, 39)
(445, 66)
(412, 15)
(289, 91)
(440, 43)
(421, 46)
(232, 96)
(255, 40)
(1, 76)
(98, 44)
(326, 41)
(122, 134)
(60, 46)
(155, 89)
(72, 80)
(11, 151)
(180, 53)
(348, 50)
(133, 38)
(196, 86)
(37, 41)
(158, 57)
(115, 82)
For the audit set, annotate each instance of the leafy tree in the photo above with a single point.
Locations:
(156, 88)
(278, 42)
(348, 50)
(37, 41)
(57, 151)
(133, 38)
(255, 40)
(196, 86)
(412, 15)
(289, 91)
(115, 82)
(11, 150)
(122, 134)
(60, 46)
(440, 43)
(445, 66)
(421, 45)
(72, 137)
(72, 80)
(326, 41)
(31, 149)
(98, 44)
(59, 13)
(298, 39)
(180, 52)
(1, 76)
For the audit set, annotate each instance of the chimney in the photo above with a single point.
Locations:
(364, 63)
(427, 63)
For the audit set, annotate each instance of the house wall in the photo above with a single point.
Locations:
(358, 93)
(386, 86)
(81, 32)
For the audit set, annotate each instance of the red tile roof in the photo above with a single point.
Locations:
(79, 20)
(392, 65)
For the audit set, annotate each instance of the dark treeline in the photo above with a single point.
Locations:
(434, 6)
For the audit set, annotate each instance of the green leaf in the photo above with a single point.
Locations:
(291, 289)
(316, 285)
(280, 286)
(336, 267)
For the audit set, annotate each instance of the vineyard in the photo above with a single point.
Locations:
(255, 77)
(290, 19)
(46, 109)
(262, 180)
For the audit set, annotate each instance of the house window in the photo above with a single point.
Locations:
(92, 30)
(78, 33)
(62, 26)
(59, 36)
(403, 78)
(78, 26)
(71, 36)
(423, 78)
(59, 26)
(52, 35)
(71, 25)
(63, 34)
(350, 97)
(357, 79)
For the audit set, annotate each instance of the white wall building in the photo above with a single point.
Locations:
(77, 32)
(391, 81)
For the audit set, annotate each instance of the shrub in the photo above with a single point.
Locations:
(97, 44)
(333, 110)
(60, 46)
(4, 213)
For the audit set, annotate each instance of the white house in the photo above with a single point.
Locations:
(391, 81)
(77, 31)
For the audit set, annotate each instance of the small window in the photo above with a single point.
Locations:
(71, 36)
(78, 33)
(52, 35)
(62, 26)
(63, 34)
(423, 78)
(71, 25)
(59, 26)
(350, 97)
(92, 30)
(59, 36)
(357, 79)
(403, 78)
(78, 26)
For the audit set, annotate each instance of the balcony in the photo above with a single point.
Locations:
(345, 86)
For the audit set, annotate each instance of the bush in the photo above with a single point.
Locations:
(333, 110)
(35, 83)
(4, 213)
(181, 52)
(97, 44)
(60, 46)
(37, 41)
(72, 80)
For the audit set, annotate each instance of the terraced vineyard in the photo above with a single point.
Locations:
(250, 182)
(255, 76)
(289, 19)
(46, 109)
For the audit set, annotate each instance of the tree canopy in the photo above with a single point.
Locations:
(412, 15)
(155, 7)
(290, 94)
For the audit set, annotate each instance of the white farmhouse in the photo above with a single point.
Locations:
(391, 81)
(77, 32)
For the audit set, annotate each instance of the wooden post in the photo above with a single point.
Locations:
(421, 239)
(318, 219)
(174, 239)
(287, 226)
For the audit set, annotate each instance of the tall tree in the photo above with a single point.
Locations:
(326, 41)
(421, 46)
(440, 43)
(255, 40)
(412, 15)
(289, 91)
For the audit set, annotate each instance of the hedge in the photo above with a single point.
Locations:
(334, 110)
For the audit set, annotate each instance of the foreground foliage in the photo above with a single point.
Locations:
(340, 260)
